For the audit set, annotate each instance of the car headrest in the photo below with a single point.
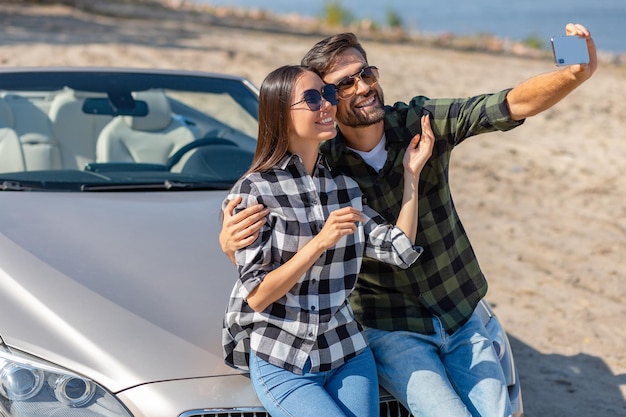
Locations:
(6, 114)
(159, 112)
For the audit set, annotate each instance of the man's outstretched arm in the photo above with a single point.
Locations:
(543, 91)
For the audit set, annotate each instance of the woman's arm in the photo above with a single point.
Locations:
(279, 281)
(418, 152)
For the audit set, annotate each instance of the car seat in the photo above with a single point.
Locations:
(148, 139)
(11, 153)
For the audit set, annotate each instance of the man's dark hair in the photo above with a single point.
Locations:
(321, 56)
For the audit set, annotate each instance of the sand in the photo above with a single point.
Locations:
(544, 205)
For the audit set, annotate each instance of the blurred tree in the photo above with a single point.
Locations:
(336, 15)
(534, 41)
(393, 19)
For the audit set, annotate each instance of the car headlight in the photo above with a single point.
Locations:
(503, 349)
(20, 382)
(72, 391)
(30, 387)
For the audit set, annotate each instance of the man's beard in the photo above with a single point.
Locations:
(353, 118)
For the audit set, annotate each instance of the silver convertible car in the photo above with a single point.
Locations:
(112, 282)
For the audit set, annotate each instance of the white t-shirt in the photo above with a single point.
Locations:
(376, 157)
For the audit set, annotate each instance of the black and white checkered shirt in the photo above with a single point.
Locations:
(314, 319)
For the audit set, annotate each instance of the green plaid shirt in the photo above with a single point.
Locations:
(446, 281)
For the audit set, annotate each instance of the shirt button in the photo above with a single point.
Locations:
(311, 334)
(312, 308)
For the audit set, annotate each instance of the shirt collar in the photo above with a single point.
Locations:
(293, 159)
(333, 148)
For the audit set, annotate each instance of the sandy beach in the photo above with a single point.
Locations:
(544, 204)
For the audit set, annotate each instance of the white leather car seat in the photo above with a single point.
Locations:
(11, 154)
(31, 123)
(149, 139)
(76, 131)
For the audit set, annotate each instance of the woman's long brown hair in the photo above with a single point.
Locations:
(275, 98)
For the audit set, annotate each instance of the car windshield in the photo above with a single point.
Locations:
(110, 130)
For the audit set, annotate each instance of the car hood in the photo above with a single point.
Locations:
(124, 288)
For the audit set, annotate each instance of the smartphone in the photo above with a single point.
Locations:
(569, 50)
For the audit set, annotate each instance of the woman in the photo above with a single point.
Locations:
(288, 318)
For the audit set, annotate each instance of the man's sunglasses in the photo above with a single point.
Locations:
(313, 98)
(347, 87)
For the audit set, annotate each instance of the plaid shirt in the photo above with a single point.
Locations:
(447, 282)
(314, 319)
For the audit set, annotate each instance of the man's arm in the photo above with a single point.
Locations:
(241, 229)
(543, 91)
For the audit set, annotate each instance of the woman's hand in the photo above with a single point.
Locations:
(419, 150)
(340, 222)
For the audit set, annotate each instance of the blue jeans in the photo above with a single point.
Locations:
(348, 391)
(442, 375)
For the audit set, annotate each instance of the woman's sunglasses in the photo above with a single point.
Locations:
(347, 87)
(313, 98)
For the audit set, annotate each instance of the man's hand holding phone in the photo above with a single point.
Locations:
(576, 48)
(569, 50)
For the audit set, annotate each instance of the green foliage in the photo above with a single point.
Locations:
(393, 19)
(335, 14)
(534, 41)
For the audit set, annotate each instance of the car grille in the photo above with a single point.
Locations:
(388, 408)
(226, 413)
(392, 408)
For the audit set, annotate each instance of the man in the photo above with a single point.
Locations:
(432, 352)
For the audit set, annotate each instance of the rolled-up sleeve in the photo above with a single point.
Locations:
(388, 243)
(254, 261)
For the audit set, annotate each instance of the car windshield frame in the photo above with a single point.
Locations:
(117, 93)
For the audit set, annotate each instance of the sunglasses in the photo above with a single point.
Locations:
(313, 98)
(347, 87)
